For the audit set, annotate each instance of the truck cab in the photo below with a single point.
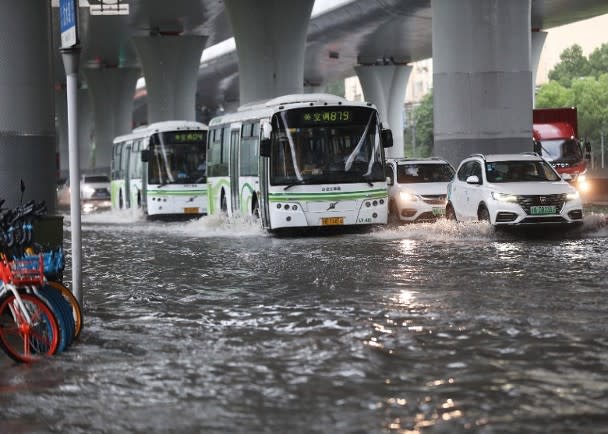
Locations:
(555, 135)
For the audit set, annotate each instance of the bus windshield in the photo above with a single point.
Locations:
(561, 150)
(177, 157)
(320, 145)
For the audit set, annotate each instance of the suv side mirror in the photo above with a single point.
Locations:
(473, 179)
(386, 136)
(145, 155)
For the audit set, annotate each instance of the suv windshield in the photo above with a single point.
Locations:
(420, 173)
(520, 171)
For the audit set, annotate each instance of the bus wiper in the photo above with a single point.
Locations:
(368, 181)
(298, 182)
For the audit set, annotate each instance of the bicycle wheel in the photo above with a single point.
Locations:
(23, 341)
(60, 307)
(76, 309)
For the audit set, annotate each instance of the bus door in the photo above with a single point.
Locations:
(264, 168)
(235, 138)
(126, 166)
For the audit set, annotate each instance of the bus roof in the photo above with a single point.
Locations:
(156, 127)
(265, 109)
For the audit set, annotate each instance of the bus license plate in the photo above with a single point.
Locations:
(332, 221)
(437, 211)
(542, 210)
(193, 210)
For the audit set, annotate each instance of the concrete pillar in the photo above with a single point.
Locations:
(481, 77)
(270, 40)
(537, 43)
(112, 91)
(27, 124)
(384, 86)
(85, 130)
(170, 64)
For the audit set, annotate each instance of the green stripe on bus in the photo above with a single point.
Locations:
(178, 193)
(329, 196)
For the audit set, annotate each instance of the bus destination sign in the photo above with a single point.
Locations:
(187, 137)
(327, 116)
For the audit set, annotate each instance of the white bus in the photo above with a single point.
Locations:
(299, 161)
(161, 168)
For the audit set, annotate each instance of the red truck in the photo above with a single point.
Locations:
(555, 133)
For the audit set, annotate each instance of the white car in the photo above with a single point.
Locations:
(512, 189)
(94, 187)
(417, 188)
(94, 192)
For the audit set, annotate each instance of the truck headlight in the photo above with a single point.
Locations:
(504, 197)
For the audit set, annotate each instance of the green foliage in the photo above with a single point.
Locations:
(422, 124)
(573, 64)
(598, 61)
(335, 88)
(553, 95)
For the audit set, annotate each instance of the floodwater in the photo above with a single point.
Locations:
(214, 326)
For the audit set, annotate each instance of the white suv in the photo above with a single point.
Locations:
(512, 189)
(417, 188)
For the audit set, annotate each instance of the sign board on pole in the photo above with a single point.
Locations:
(68, 14)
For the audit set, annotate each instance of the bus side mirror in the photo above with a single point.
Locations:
(145, 155)
(387, 138)
(265, 148)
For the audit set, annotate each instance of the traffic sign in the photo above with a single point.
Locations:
(68, 23)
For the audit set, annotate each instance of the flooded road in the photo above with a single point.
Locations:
(214, 326)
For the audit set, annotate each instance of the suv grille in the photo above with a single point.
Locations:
(434, 199)
(556, 200)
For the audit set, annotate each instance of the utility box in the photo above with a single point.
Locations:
(48, 231)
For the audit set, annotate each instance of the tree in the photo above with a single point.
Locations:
(598, 61)
(573, 64)
(422, 125)
(553, 95)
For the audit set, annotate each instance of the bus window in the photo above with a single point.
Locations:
(249, 150)
(217, 162)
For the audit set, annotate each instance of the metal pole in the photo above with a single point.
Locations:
(71, 58)
(602, 147)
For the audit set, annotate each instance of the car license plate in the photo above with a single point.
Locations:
(437, 211)
(325, 221)
(542, 210)
(193, 210)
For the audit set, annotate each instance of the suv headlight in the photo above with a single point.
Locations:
(504, 197)
(573, 195)
(407, 197)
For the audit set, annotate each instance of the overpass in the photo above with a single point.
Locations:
(481, 50)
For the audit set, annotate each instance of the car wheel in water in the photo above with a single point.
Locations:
(450, 214)
(483, 215)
